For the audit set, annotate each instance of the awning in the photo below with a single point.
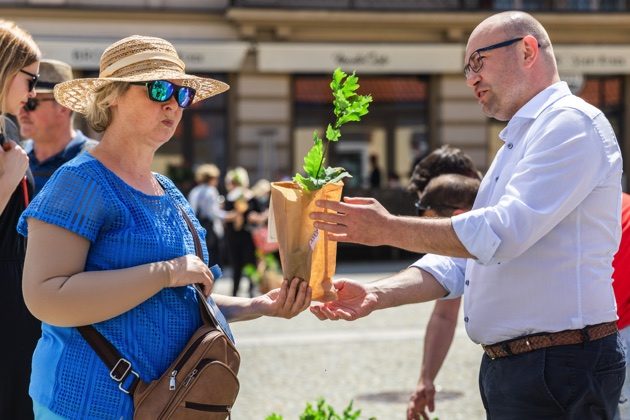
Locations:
(364, 58)
(421, 58)
(214, 56)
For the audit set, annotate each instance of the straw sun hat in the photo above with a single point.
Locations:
(135, 59)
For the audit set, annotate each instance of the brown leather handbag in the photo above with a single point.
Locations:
(200, 384)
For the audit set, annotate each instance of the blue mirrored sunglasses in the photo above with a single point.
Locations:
(163, 90)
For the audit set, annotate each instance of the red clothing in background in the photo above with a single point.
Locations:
(621, 265)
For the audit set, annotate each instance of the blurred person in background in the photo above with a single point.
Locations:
(206, 202)
(19, 68)
(52, 138)
(242, 210)
(440, 196)
(444, 196)
(621, 286)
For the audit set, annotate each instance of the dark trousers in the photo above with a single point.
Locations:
(21, 332)
(580, 381)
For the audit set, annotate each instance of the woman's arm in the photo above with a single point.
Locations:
(289, 300)
(58, 291)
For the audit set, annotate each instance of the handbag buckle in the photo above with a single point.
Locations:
(121, 383)
(124, 364)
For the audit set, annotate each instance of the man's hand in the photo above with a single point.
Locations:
(354, 300)
(421, 400)
(287, 301)
(359, 220)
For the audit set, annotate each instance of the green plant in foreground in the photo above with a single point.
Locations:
(324, 411)
(348, 106)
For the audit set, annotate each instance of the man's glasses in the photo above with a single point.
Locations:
(33, 81)
(32, 103)
(423, 208)
(475, 61)
(163, 90)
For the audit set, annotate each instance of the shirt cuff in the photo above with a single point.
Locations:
(476, 235)
(449, 272)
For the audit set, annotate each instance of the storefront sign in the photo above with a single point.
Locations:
(591, 59)
(421, 58)
(364, 58)
(200, 57)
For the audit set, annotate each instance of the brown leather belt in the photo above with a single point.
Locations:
(540, 341)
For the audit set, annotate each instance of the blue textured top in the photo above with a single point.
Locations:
(126, 228)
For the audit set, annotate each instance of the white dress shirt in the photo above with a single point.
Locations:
(544, 227)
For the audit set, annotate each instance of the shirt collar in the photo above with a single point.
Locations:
(535, 106)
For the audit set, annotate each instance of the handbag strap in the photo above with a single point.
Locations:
(120, 369)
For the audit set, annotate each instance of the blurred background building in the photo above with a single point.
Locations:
(278, 56)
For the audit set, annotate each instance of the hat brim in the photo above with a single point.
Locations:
(75, 94)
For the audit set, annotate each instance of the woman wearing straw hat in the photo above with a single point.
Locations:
(108, 246)
(19, 65)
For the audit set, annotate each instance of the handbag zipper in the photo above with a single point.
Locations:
(172, 383)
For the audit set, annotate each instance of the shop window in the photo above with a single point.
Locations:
(606, 93)
(395, 130)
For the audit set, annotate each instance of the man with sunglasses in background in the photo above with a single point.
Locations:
(445, 195)
(538, 243)
(52, 138)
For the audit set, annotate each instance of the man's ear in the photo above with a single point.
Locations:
(530, 50)
(459, 211)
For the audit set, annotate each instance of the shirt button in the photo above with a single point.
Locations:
(496, 179)
(466, 319)
(510, 145)
(467, 282)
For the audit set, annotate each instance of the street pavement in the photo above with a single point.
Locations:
(373, 361)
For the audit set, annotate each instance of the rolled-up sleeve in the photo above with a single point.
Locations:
(561, 166)
(449, 272)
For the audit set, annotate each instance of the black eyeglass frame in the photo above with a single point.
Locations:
(468, 68)
(33, 103)
(176, 90)
(421, 209)
(34, 78)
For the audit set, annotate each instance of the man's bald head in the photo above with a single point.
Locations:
(512, 61)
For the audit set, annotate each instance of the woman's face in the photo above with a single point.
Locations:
(18, 92)
(151, 121)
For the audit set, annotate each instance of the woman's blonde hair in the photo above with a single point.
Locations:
(206, 172)
(237, 177)
(17, 50)
(98, 113)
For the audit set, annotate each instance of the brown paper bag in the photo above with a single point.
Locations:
(305, 252)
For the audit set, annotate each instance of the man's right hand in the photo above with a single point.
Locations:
(13, 163)
(354, 300)
(421, 400)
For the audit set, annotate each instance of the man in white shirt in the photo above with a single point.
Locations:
(538, 243)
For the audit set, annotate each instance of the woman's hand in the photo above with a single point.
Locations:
(190, 269)
(13, 163)
(293, 297)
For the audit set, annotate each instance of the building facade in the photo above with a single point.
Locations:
(278, 57)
